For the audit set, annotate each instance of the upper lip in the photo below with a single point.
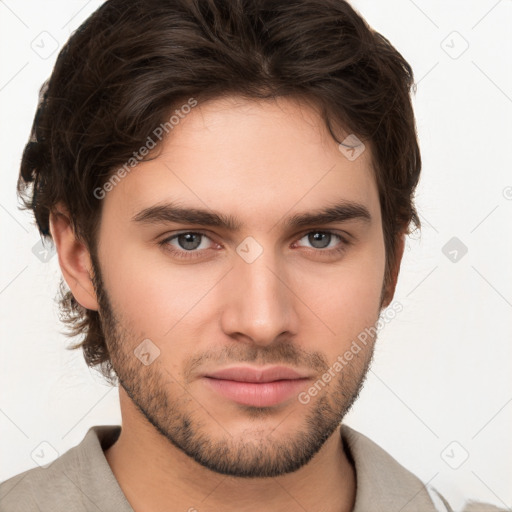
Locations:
(251, 374)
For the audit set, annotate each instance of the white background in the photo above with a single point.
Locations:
(440, 388)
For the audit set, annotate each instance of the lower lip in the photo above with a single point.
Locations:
(257, 394)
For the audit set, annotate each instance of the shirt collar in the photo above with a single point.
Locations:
(383, 485)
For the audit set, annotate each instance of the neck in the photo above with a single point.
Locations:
(156, 475)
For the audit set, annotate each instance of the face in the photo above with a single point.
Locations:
(253, 285)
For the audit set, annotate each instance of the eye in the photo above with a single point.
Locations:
(193, 244)
(188, 244)
(327, 241)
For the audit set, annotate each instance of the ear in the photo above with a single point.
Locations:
(391, 286)
(74, 259)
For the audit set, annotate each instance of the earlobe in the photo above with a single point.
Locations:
(74, 259)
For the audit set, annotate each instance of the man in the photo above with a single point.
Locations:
(228, 186)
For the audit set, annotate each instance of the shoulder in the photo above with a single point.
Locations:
(382, 479)
(78, 480)
(33, 489)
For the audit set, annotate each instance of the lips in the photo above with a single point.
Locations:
(257, 387)
(247, 374)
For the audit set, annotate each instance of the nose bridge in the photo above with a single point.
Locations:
(259, 304)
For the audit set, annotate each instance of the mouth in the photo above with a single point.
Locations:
(257, 387)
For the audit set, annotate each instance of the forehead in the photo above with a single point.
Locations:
(261, 157)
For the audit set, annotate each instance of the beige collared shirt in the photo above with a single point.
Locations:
(81, 480)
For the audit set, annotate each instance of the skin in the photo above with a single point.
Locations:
(294, 305)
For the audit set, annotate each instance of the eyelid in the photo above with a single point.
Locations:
(176, 234)
(342, 234)
(345, 240)
(345, 237)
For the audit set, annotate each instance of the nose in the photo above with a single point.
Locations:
(260, 304)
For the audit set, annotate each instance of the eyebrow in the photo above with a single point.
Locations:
(172, 212)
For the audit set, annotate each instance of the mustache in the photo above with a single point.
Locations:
(286, 353)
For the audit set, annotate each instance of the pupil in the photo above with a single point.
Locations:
(317, 237)
(187, 241)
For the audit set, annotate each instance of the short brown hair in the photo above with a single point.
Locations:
(132, 61)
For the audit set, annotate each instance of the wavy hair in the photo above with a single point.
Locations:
(132, 61)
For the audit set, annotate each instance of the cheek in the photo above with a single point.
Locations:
(146, 290)
(168, 302)
(346, 297)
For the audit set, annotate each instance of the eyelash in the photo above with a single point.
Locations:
(182, 254)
